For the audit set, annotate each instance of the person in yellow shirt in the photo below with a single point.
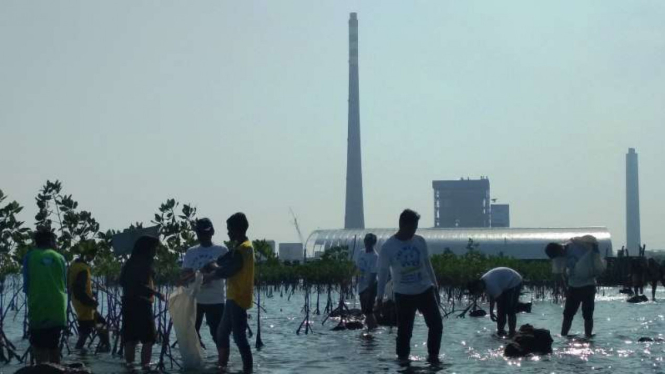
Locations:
(79, 283)
(238, 267)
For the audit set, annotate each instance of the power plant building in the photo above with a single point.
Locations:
(462, 203)
(500, 215)
(519, 243)
(633, 236)
(354, 214)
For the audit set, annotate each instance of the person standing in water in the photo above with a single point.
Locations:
(406, 257)
(138, 288)
(366, 262)
(44, 273)
(240, 291)
(583, 265)
(211, 297)
(79, 282)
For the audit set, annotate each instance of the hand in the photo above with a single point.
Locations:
(160, 296)
(493, 316)
(379, 303)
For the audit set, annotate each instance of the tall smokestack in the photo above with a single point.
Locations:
(354, 217)
(633, 239)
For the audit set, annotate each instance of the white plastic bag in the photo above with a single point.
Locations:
(182, 307)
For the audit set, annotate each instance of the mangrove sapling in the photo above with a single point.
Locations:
(305, 321)
(259, 343)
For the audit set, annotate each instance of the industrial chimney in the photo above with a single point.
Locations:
(354, 217)
(633, 239)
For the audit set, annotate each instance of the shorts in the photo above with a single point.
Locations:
(138, 321)
(367, 299)
(48, 338)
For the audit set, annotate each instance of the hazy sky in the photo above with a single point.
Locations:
(243, 106)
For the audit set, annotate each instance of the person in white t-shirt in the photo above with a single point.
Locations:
(406, 257)
(366, 261)
(503, 286)
(211, 298)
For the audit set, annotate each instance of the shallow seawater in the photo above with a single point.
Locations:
(468, 345)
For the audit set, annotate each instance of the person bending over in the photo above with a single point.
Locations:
(503, 286)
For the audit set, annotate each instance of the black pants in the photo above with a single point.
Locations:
(580, 295)
(86, 328)
(235, 322)
(506, 305)
(407, 305)
(213, 314)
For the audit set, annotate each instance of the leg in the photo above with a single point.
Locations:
(569, 310)
(406, 313)
(501, 314)
(654, 285)
(146, 354)
(54, 356)
(367, 306)
(214, 313)
(239, 328)
(85, 329)
(102, 329)
(428, 306)
(511, 308)
(223, 335)
(130, 352)
(44, 342)
(588, 305)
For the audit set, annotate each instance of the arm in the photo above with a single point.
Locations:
(384, 267)
(429, 268)
(79, 290)
(492, 315)
(227, 266)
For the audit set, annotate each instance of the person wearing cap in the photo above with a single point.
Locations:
(44, 273)
(583, 264)
(79, 283)
(211, 298)
(366, 262)
(503, 286)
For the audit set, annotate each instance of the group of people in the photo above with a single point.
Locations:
(645, 272)
(404, 258)
(227, 290)
(225, 295)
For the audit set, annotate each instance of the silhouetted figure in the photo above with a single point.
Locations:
(237, 266)
(583, 265)
(638, 275)
(79, 282)
(406, 257)
(655, 275)
(366, 263)
(138, 288)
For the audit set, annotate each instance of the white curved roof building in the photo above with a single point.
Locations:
(521, 243)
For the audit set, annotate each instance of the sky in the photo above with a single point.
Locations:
(242, 106)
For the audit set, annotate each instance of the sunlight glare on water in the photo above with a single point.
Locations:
(469, 345)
